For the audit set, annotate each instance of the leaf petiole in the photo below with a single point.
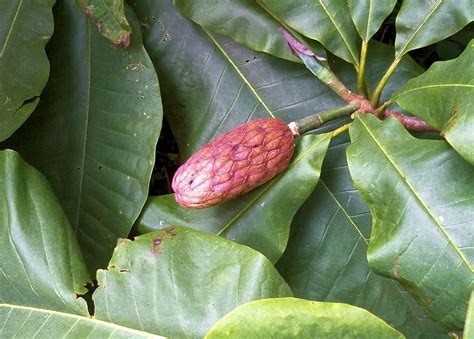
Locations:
(380, 86)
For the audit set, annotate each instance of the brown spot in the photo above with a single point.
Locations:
(123, 270)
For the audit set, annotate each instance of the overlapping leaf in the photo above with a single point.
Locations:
(261, 218)
(109, 17)
(298, 318)
(421, 23)
(242, 20)
(178, 282)
(326, 21)
(41, 264)
(444, 97)
(210, 85)
(25, 28)
(95, 132)
(326, 256)
(368, 15)
(27, 322)
(421, 197)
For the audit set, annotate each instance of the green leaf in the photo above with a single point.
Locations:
(95, 132)
(443, 96)
(179, 282)
(42, 265)
(421, 197)
(261, 218)
(298, 318)
(326, 21)
(25, 28)
(469, 324)
(109, 17)
(326, 256)
(27, 322)
(211, 85)
(421, 23)
(242, 20)
(368, 15)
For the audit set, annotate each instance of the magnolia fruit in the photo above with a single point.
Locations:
(234, 163)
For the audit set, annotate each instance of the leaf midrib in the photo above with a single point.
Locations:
(404, 49)
(355, 59)
(86, 131)
(429, 87)
(77, 318)
(418, 198)
(11, 29)
(241, 75)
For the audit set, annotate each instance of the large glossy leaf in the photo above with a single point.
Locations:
(421, 23)
(95, 132)
(298, 318)
(260, 219)
(41, 264)
(25, 28)
(109, 17)
(326, 21)
(27, 322)
(368, 15)
(178, 282)
(421, 197)
(242, 20)
(444, 97)
(326, 256)
(211, 85)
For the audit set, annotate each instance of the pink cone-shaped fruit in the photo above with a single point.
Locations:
(234, 163)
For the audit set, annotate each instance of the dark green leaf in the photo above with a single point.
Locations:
(368, 15)
(25, 28)
(178, 282)
(444, 97)
(261, 218)
(109, 17)
(242, 20)
(95, 132)
(326, 256)
(42, 265)
(421, 23)
(27, 322)
(211, 85)
(326, 21)
(298, 318)
(421, 197)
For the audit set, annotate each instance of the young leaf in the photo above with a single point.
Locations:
(42, 265)
(421, 197)
(298, 318)
(259, 219)
(326, 21)
(368, 15)
(29, 322)
(444, 96)
(106, 104)
(421, 23)
(25, 28)
(109, 17)
(326, 255)
(179, 282)
(242, 20)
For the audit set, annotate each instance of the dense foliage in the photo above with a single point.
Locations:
(368, 233)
